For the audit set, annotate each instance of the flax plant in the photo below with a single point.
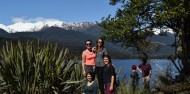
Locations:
(28, 68)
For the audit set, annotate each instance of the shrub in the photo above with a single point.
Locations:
(38, 69)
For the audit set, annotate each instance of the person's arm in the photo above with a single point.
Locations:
(105, 51)
(112, 78)
(95, 89)
(112, 83)
(83, 61)
(139, 69)
(94, 49)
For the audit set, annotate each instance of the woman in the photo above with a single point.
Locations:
(109, 75)
(91, 86)
(100, 52)
(88, 58)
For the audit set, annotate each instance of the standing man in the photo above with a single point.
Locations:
(146, 71)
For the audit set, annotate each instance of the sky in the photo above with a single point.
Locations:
(13, 11)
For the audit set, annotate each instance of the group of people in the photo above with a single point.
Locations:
(96, 61)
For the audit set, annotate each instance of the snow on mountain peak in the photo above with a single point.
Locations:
(37, 26)
(158, 31)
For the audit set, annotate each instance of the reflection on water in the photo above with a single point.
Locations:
(159, 66)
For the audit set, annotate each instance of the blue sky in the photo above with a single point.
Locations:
(13, 11)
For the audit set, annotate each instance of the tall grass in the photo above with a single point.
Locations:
(38, 69)
(125, 85)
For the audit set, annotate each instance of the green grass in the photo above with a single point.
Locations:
(125, 87)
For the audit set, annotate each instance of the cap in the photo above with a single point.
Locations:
(134, 67)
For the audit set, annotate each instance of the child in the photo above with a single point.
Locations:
(135, 78)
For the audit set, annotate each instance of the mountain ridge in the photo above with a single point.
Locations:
(74, 38)
(37, 26)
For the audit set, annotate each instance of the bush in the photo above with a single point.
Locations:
(38, 69)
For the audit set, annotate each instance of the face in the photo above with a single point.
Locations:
(89, 77)
(100, 42)
(88, 44)
(106, 60)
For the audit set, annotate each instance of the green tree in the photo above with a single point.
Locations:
(175, 14)
(131, 26)
(136, 20)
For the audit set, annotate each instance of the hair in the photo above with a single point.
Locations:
(134, 67)
(109, 58)
(97, 47)
(92, 74)
(144, 58)
(88, 40)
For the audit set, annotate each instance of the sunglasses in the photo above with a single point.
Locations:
(88, 43)
(99, 41)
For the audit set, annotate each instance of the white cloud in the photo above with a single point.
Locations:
(31, 20)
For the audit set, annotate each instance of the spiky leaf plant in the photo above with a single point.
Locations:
(29, 68)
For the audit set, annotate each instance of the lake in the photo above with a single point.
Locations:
(159, 66)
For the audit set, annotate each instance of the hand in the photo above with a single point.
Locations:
(111, 88)
(94, 49)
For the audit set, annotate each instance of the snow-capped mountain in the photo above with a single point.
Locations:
(69, 35)
(158, 31)
(37, 26)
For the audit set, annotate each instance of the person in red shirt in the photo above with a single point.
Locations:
(146, 71)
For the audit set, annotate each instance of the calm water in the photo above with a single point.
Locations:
(159, 66)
